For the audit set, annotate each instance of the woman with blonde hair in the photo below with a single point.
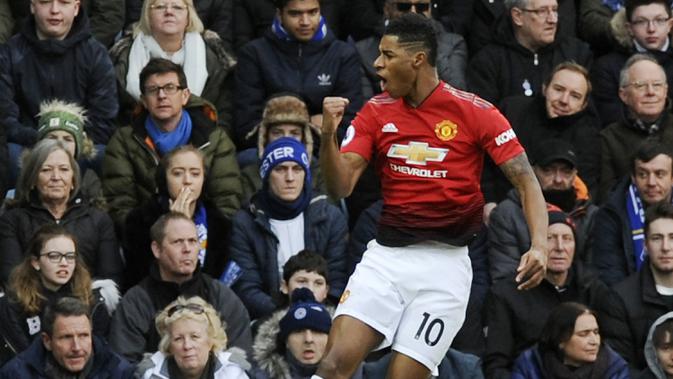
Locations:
(172, 30)
(51, 270)
(192, 345)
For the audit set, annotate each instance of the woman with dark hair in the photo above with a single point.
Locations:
(570, 347)
(48, 192)
(180, 180)
(51, 270)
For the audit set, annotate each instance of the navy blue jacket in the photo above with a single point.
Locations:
(254, 248)
(313, 70)
(76, 69)
(31, 363)
(529, 366)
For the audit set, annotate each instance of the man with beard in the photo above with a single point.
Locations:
(555, 166)
(646, 295)
(617, 237)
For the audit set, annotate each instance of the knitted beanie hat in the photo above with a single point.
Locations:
(60, 115)
(283, 150)
(304, 313)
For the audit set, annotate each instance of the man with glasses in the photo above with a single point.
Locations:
(643, 89)
(170, 117)
(451, 48)
(54, 56)
(525, 49)
(175, 273)
(644, 27)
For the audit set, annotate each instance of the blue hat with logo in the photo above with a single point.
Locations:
(304, 313)
(283, 150)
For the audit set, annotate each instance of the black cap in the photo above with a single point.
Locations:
(552, 150)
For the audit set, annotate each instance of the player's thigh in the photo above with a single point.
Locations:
(350, 341)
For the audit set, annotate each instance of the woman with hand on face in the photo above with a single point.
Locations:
(48, 192)
(171, 29)
(570, 347)
(180, 181)
(192, 345)
(51, 270)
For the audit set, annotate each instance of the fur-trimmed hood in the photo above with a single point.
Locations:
(265, 352)
(620, 31)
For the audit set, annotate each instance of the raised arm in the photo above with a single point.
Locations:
(533, 263)
(341, 171)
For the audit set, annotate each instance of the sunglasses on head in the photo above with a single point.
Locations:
(196, 308)
(406, 7)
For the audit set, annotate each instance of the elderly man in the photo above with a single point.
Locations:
(555, 166)
(67, 349)
(617, 247)
(515, 318)
(54, 55)
(171, 117)
(561, 112)
(643, 27)
(525, 49)
(175, 273)
(643, 89)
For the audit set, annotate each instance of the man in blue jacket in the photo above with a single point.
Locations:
(54, 55)
(299, 54)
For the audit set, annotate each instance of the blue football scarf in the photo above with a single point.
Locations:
(201, 221)
(167, 141)
(636, 213)
(281, 33)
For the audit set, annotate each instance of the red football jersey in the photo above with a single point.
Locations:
(430, 158)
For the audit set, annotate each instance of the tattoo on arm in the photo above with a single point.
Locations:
(517, 170)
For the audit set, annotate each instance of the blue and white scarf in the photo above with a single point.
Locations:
(281, 33)
(636, 214)
(167, 141)
(201, 221)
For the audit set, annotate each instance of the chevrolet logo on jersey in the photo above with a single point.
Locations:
(417, 153)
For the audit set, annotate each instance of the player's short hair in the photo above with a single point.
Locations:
(574, 67)
(631, 5)
(305, 260)
(656, 212)
(417, 32)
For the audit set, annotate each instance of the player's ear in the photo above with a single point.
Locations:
(419, 57)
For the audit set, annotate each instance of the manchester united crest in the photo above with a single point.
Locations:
(446, 130)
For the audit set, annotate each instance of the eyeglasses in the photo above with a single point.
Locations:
(542, 12)
(419, 7)
(196, 308)
(57, 257)
(643, 23)
(169, 89)
(162, 7)
(643, 86)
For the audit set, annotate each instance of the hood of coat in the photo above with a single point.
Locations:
(650, 353)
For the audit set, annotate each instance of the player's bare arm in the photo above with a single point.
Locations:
(341, 171)
(533, 263)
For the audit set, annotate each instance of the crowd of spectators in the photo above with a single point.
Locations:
(165, 214)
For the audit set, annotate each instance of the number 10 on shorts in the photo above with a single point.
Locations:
(432, 331)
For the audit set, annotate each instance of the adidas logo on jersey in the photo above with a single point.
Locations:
(389, 128)
(324, 80)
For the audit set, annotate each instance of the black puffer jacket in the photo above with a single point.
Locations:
(505, 68)
(77, 68)
(92, 227)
